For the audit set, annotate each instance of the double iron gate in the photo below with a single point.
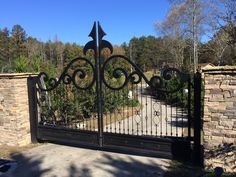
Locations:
(107, 101)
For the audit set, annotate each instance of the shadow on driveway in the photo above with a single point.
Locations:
(78, 162)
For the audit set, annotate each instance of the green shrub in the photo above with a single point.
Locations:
(21, 64)
(36, 64)
(132, 103)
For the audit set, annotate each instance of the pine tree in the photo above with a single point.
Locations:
(4, 46)
(18, 40)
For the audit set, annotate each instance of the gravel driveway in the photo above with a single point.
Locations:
(52, 160)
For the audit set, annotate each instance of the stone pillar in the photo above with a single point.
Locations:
(219, 121)
(14, 109)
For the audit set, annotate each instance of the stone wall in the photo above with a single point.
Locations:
(219, 121)
(14, 109)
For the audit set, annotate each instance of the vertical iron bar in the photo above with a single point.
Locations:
(50, 106)
(137, 127)
(90, 121)
(156, 129)
(189, 108)
(128, 122)
(115, 115)
(123, 114)
(161, 117)
(119, 114)
(155, 112)
(75, 102)
(105, 92)
(166, 117)
(176, 112)
(171, 115)
(146, 118)
(97, 56)
(141, 104)
(62, 101)
(94, 122)
(132, 123)
(128, 108)
(197, 119)
(137, 111)
(182, 110)
(111, 113)
(151, 106)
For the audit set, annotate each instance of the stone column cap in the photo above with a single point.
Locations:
(18, 75)
(219, 69)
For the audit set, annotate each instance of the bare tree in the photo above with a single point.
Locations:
(185, 20)
(172, 29)
(223, 29)
(227, 22)
(59, 49)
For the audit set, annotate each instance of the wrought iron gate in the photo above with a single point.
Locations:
(109, 102)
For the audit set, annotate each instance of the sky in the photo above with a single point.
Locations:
(72, 20)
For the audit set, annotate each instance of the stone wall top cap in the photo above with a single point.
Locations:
(17, 75)
(219, 69)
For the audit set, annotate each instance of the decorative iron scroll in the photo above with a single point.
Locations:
(46, 83)
(156, 82)
(97, 44)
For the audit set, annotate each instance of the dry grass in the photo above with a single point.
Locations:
(179, 169)
(110, 118)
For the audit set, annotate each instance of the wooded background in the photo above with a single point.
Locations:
(194, 31)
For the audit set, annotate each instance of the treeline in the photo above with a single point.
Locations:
(148, 52)
(22, 53)
(155, 52)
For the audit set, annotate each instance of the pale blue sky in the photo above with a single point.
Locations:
(71, 20)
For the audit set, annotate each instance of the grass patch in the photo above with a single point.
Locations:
(109, 118)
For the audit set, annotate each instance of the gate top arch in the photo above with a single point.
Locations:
(97, 44)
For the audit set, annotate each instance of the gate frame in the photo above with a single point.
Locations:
(43, 133)
(197, 148)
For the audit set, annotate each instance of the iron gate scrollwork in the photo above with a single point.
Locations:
(142, 119)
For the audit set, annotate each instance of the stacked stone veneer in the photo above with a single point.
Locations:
(219, 121)
(14, 110)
